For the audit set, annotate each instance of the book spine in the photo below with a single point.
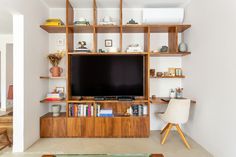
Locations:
(76, 110)
(92, 110)
(89, 110)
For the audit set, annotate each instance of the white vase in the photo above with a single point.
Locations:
(56, 109)
(183, 47)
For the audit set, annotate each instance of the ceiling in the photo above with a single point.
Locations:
(6, 22)
(115, 3)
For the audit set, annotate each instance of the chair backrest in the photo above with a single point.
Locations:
(178, 110)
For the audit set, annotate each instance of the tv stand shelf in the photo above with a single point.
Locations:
(117, 126)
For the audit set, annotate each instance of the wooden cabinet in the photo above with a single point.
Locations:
(74, 127)
(53, 126)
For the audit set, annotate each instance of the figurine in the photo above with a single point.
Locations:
(132, 22)
(134, 48)
(164, 49)
(82, 47)
(183, 47)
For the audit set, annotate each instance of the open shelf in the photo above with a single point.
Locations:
(54, 29)
(163, 54)
(107, 28)
(135, 28)
(48, 102)
(171, 77)
(166, 28)
(159, 101)
(81, 29)
(53, 78)
(50, 115)
(107, 53)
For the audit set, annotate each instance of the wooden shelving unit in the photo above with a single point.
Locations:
(52, 78)
(133, 126)
(169, 77)
(159, 101)
(48, 102)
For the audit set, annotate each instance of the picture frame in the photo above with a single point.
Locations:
(108, 43)
(60, 89)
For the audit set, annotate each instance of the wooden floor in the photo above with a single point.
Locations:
(6, 122)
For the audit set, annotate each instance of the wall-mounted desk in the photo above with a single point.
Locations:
(159, 101)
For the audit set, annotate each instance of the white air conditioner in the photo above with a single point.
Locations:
(163, 15)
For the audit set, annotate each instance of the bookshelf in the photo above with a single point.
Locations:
(118, 125)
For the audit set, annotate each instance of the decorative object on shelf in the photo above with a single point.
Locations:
(10, 95)
(159, 74)
(101, 50)
(56, 109)
(107, 20)
(54, 96)
(113, 49)
(132, 22)
(183, 47)
(172, 93)
(179, 93)
(108, 43)
(82, 47)
(60, 90)
(171, 71)
(154, 96)
(54, 22)
(178, 72)
(164, 49)
(166, 74)
(152, 72)
(134, 48)
(82, 21)
(55, 59)
(155, 51)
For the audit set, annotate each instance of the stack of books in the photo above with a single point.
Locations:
(104, 112)
(81, 110)
(138, 110)
(53, 22)
(54, 97)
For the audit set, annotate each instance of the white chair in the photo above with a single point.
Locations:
(176, 113)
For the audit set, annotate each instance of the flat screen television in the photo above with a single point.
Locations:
(119, 75)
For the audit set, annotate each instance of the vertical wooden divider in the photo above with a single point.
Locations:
(173, 39)
(69, 48)
(121, 25)
(94, 26)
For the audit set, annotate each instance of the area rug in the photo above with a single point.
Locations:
(104, 155)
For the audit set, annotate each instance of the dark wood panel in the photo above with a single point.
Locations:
(46, 129)
(59, 127)
(87, 127)
(74, 127)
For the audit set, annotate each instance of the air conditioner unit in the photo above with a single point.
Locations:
(163, 15)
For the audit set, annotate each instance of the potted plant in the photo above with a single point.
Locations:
(55, 59)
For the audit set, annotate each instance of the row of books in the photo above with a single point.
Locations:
(104, 112)
(54, 96)
(81, 110)
(138, 110)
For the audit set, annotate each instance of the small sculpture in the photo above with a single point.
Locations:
(82, 45)
(183, 47)
(132, 22)
(164, 49)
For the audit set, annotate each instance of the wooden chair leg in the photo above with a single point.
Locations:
(167, 133)
(182, 136)
(165, 128)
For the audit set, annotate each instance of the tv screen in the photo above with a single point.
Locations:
(107, 75)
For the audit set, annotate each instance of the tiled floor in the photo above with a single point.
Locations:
(172, 148)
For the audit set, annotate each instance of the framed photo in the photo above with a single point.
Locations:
(108, 43)
(60, 89)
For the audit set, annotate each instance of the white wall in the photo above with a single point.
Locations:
(35, 49)
(211, 75)
(4, 40)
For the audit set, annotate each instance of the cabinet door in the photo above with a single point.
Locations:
(127, 129)
(87, 127)
(59, 127)
(74, 127)
(46, 129)
(116, 127)
(141, 126)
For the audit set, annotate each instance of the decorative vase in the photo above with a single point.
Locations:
(183, 47)
(56, 71)
(56, 109)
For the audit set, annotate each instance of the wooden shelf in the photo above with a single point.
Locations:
(135, 28)
(53, 78)
(107, 28)
(48, 102)
(106, 101)
(166, 28)
(49, 115)
(107, 53)
(158, 101)
(176, 54)
(171, 77)
(81, 29)
(54, 29)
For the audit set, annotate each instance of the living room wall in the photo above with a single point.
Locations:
(211, 74)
